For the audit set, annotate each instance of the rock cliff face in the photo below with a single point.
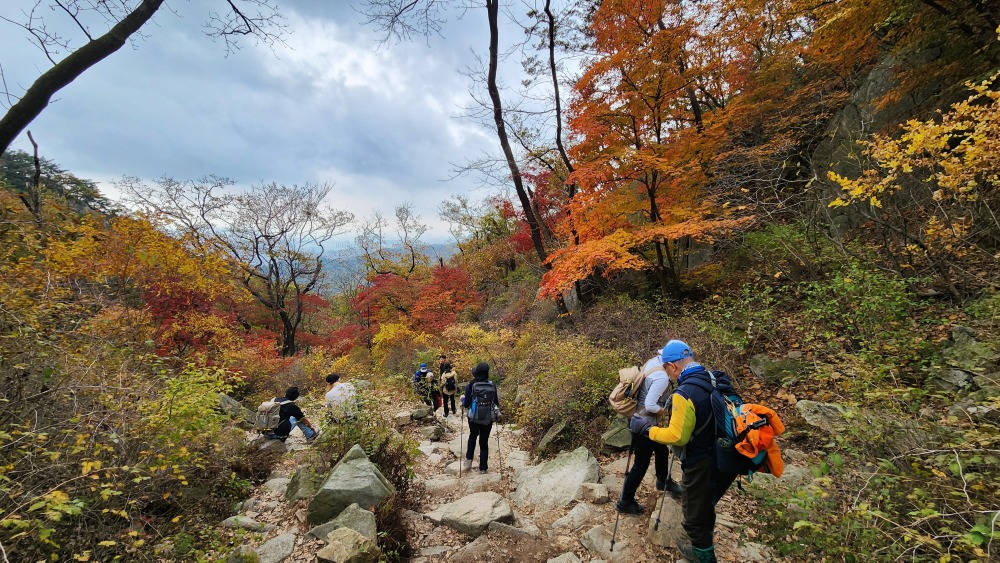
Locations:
(863, 116)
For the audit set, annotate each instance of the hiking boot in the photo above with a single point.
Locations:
(312, 438)
(482, 471)
(466, 464)
(673, 487)
(629, 507)
(696, 554)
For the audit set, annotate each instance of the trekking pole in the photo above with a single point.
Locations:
(663, 497)
(461, 458)
(499, 453)
(628, 460)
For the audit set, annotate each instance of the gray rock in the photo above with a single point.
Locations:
(575, 518)
(825, 416)
(357, 519)
(276, 549)
(595, 493)
(303, 484)
(421, 412)
(617, 437)
(245, 523)
(670, 527)
(557, 482)
(597, 540)
(551, 434)
(516, 534)
(354, 479)
(437, 486)
(402, 418)
(953, 379)
(278, 485)
(516, 459)
(432, 433)
(478, 550)
(435, 551)
(426, 448)
(568, 557)
(754, 553)
(778, 372)
(473, 513)
(234, 408)
(345, 545)
(273, 446)
(474, 482)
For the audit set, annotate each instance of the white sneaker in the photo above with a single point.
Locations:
(466, 464)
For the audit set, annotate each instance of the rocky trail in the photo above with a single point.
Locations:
(522, 509)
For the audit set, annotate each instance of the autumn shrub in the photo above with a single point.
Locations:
(633, 325)
(744, 320)
(395, 347)
(874, 499)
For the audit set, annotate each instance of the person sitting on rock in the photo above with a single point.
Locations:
(292, 417)
(340, 398)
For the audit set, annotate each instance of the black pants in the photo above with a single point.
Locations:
(642, 449)
(704, 485)
(482, 431)
(445, 399)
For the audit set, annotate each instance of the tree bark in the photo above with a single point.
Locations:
(37, 97)
(492, 8)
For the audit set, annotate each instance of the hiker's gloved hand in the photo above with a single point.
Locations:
(640, 425)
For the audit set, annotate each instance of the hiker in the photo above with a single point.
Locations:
(449, 387)
(651, 398)
(340, 398)
(444, 366)
(421, 379)
(692, 427)
(434, 390)
(291, 416)
(483, 405)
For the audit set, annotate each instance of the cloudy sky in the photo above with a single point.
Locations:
(380, 123)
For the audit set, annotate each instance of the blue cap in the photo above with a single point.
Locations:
(675, 350)
(423, 366)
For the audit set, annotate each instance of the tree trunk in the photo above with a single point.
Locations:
(492, 7)
(37, 97)
(288, 347)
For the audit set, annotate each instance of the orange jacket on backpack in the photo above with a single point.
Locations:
(761, 439)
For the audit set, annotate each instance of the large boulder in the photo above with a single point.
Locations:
(617, 438)
(576, 518)
(472, 514)
(354, 479)
(303, 484)
(421, 412)
(345, 545)
(556, 483)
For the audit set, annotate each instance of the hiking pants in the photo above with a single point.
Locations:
(445, 398)
(642, 449)
(483, 432)
(704, 485)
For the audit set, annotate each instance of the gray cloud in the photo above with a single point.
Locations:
(330, 107)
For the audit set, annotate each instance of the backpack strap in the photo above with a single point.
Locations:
(705, 385)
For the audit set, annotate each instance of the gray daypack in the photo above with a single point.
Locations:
(269, 414)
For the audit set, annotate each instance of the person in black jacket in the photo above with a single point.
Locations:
(292, 416)
(480, 421)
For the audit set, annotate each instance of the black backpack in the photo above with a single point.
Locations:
(449, 382)
(484, 402)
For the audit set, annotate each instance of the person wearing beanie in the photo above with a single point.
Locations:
(291, 416)
(691, 427)
(650, 400)
(449, 386)
(481, 389)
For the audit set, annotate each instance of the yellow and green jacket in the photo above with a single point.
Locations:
(690, 408)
